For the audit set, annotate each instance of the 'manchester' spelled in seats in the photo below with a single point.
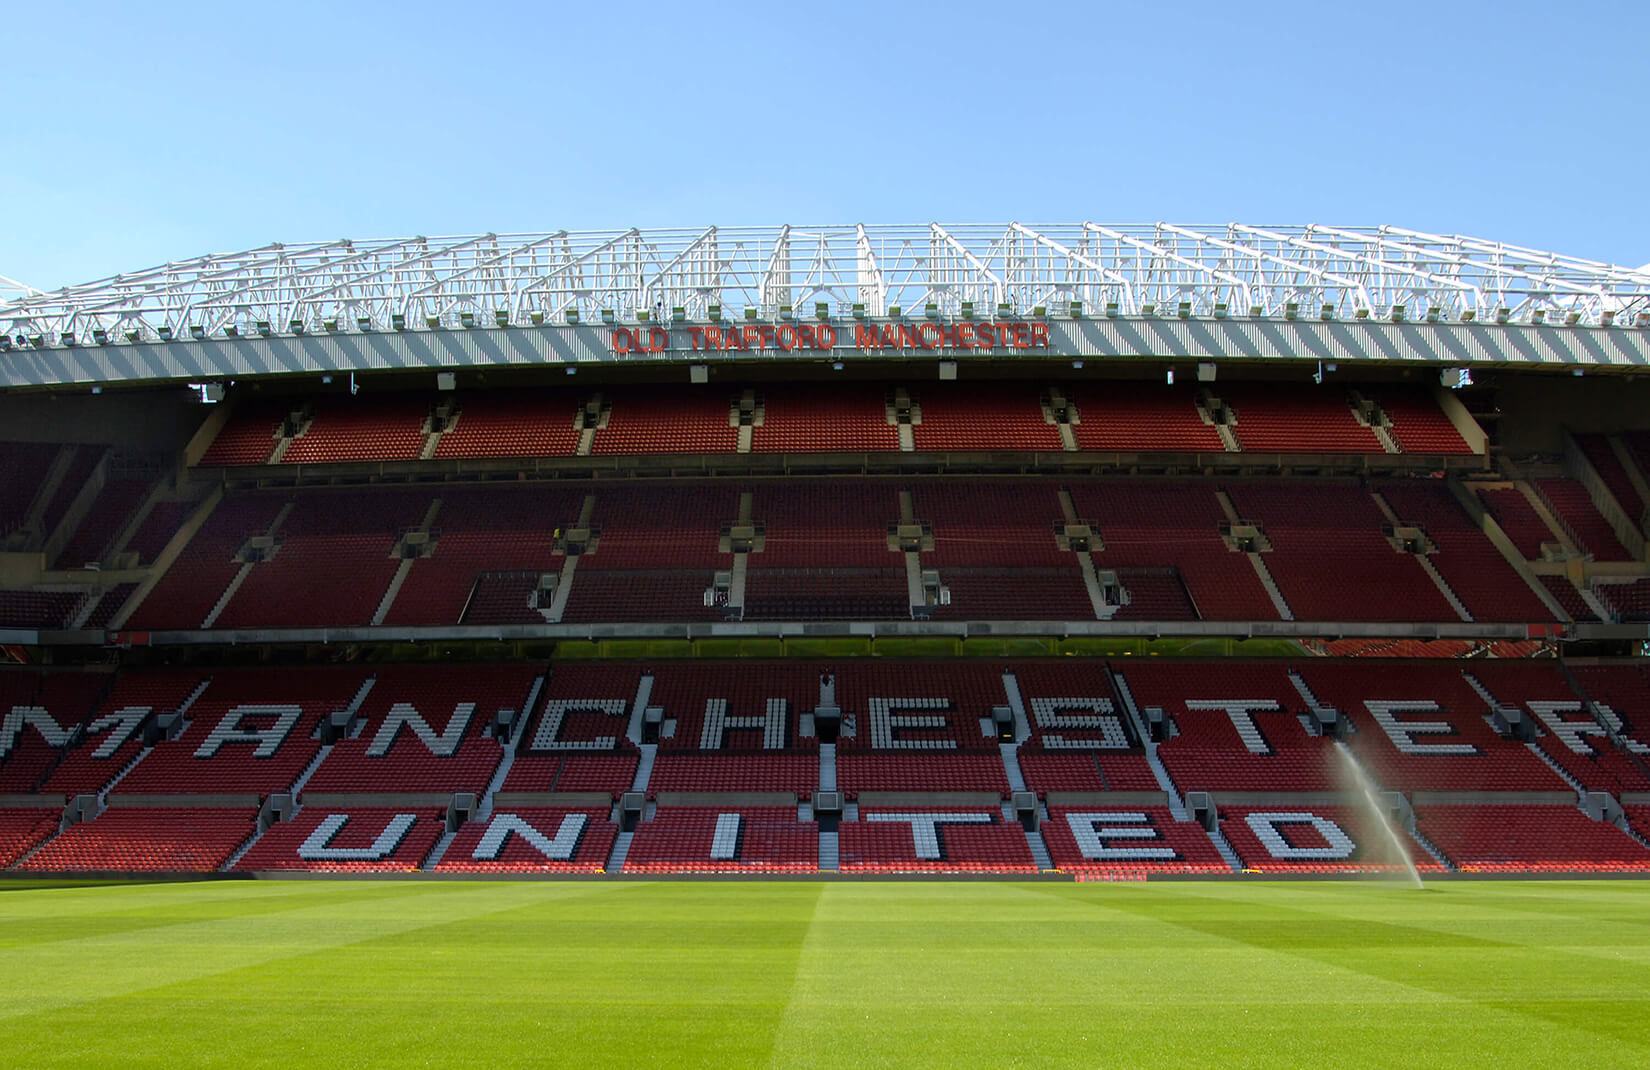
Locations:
(357, 840)
(702, 839)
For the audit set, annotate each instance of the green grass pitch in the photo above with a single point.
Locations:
(842, 974)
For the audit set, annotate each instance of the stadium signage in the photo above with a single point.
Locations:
(823, 337)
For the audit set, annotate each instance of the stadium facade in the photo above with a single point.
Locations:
(962, 549)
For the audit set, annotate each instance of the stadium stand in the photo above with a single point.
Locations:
(533, 840)
(826, 418)
(703, 839)
(1530, 839)
(1336, 840)
(1296, 419)
(357, 840)
(933, 839)
(1128, 842)
(530, 423)
(22, 830)
(144, 839)
(1575, 508)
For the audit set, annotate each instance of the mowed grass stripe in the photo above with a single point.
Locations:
(838, 974)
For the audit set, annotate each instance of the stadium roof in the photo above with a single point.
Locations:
(1132, 269)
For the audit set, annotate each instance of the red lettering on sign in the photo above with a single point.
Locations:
(922, 335)
(1022, 335)
(827, 337)
(1039, 335)
(623, 340)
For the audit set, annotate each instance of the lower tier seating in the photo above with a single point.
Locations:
(712, 839)
(532, 840)
(1318, 839)
(355, 840)
(143, 839)
(1529, 839)
(929, 839)
(1127, 841)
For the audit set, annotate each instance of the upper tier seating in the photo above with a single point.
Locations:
(933, 839)
(720, 839)
(981, 416)
(142, 839)
(669, 420)
(1518, 519)
(812, 419)
(425, 730)
(1280, 417)
(1629, 601)
(356, 840)
(1318, 839)
(526, 423)
(251, 732)
(1127, 841)
(1529, 839)
(251, 433)
(1418, 424)
(1128, 418)
(1328, 550)
(362, 429)
(159, 524)
(522, 839)
(38, 609)
(1238, 726)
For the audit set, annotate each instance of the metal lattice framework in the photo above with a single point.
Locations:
(1127, 270)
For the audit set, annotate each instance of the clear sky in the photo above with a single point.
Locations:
(140, 134)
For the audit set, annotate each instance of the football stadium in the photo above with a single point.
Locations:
(1017, 644)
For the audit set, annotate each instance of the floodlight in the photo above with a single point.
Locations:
(1039, 312)
(968, 310)
(1538, 316)
(750, 312)
(1572, 318)
(607, 315)
(432, 322)
(859, 310)
(678, 314)
(1111, 310)
(1256, 312)
(1397, 314)
(501, 318)
(931, 310)
(398, 321)
(131, 336)
(231, 331)
(468, 319)
(263, 329)
(165, 334)
(1291, 309)
(1183, 310)
(99, 335)
(1220, 310)
(893, 311)
(1360, 313)
(822, 310)
(296, 326)
(364, 323)
(196, 331)
(67, 338)
(330, 326)
(1502, 315)
(784, 312)
(1326, 311)
(1607, 320)
(714, 312)
(1433, 313)
(1148, 309)
(572, 317)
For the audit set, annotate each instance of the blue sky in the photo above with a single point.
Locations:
(142, 135)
